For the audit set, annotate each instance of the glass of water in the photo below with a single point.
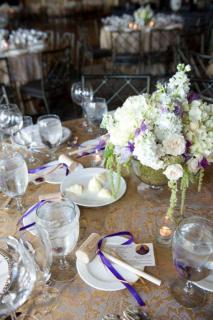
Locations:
(26, 137)
(11, 119)
(95, 110)
(61, 221)
(50, 130)
(192, 247)
(14, 176)
(18, 276)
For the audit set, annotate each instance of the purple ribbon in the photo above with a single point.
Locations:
(100, 146)
(38, 169)
(112, 269)
(36, 206)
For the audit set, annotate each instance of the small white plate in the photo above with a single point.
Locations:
(4, 273)
(206, 284)
(88, 198)
(31, 218)
(55, 177)
(92, 142)
(37, 143)
(96, 275)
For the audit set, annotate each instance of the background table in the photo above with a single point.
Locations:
(136, 212)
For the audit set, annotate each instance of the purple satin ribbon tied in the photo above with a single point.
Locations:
(45, 166)
(35, 207)
(112, 269)
(99, 147)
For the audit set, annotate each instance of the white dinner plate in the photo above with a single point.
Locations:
(207, 283)
(37, 144)
(30, 218)
(88, 198)
(96, 275)
(55, 177)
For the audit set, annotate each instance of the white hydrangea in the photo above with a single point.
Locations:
(167, 123)
(147, 151)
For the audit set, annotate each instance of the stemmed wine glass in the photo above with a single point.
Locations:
(80, 94)
(39, 248)
(50, 130)
(11, 119)
(61, 221)
(26, 137)
(18, 275)
(14, 176)
(95, 110)
(192, 247)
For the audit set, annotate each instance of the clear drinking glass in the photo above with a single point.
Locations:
(39, 247)
(19, 265)
(192, 247)
(26, 137)
(14, 177)
(80, 94)
(11, 119)
(50, 130)
(95, 110)
(61, 221)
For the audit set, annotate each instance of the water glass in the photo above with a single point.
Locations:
(11, 119)
(50, 130)
(21, 276)
(39, 247)
(81, 93)
(192, 248)
(14, 177)
(95, 110)
(61, 221)
(26, 137)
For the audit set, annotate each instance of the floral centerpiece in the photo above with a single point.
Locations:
(143, 15)
(170, 130)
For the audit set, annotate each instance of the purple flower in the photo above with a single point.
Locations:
(131, 146)
(101, 145)
(164, 110)
(143, 128)
(188, 145)
(192, 96)
(137, 132)
(178, 111)
(204, 163)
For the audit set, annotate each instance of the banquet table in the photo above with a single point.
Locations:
(25, 65)
(157, 44)
(136, 212)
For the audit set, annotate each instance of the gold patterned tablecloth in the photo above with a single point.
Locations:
(136, 212)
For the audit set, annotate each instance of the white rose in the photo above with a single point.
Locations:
(193, 165)
(195, 114)
(174, 145)
(174, 172)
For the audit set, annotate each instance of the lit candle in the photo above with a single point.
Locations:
(130, 25)
(165, 232)
(151, 24)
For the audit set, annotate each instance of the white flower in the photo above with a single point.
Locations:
(194, 125)
(174, 144)
(193, 165)
(195, 114)
(167, 123)
(147, 151)
(174, 172)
